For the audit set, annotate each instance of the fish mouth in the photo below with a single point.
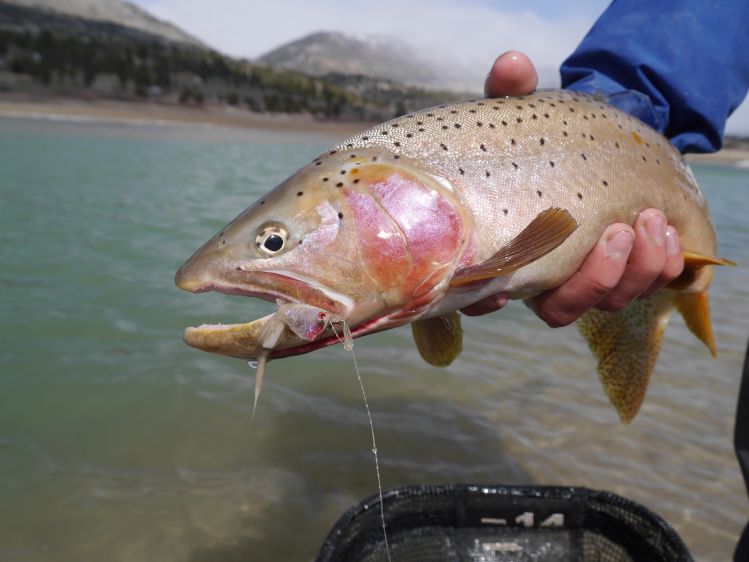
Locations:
(244, 340)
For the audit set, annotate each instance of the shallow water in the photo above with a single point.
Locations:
(117, 442)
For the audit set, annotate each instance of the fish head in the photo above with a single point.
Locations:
(366, 237)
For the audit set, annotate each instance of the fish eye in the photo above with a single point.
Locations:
(271, 239)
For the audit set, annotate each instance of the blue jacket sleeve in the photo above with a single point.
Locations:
(682, 66)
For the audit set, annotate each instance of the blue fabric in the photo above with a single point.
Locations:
(682, 66)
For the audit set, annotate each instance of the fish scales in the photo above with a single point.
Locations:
(417, 217)
(550, 148)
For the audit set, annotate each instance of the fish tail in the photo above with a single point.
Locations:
(626, 344)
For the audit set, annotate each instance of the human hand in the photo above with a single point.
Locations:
(626, 263)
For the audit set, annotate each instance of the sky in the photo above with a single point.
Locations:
(467, 32)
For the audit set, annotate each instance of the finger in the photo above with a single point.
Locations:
(646, 262)
(486, 305)
(512, 74)
(674, 262)
(599, 274)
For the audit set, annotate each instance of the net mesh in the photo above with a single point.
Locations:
(470, 523)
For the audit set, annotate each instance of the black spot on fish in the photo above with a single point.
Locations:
(462, 171)
(396, 143)
(551, 163)
(479, 123)
(444, 127)
(440, 118)
(318, 163)
(453, 111)
(343, 172)
(395, 125)
(514, 165)
(546, 115)
(504, 123)
(512, 142)
(518, 107)
(444, 146)
(552, 104)
(616, 144)
(299, 193)
(604, 115)
(644, 159)
(564, 133)
(531, 105)
(396, 157)
(383, 132)
(572, 110)
(409, 135)
(339, 184)
(657, 161)
(580, 196)
(491, 125)
(483, 147)
(349, 145)
(430, 114)
(471, 111)
(591, 137)
(332, 152)
(542, 141)
(365, 138)
(539, 193)
(505, 211)
(519, 120)
(534, 116)
(421, 130)
(488, 173)
(605, 183)
(584, 157)
(356, 181)
(457, 125)
(585, 117)
(340, 215)
(374, 158)
(262, 202)
(352, 156)
(420, 122)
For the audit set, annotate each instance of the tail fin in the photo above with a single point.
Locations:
(626, 345)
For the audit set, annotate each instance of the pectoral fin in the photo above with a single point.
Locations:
(439, 339)
(547, 231)
(626, 345)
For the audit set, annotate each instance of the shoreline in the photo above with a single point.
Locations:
(151, 113)
(171, 115)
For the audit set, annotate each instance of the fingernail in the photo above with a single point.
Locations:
(672, 241)
(655, 226)
(619, 245)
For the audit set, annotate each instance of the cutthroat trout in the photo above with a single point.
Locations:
(411, 220)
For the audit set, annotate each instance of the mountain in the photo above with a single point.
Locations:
(327, 52)
(78, 50)
(109, 11)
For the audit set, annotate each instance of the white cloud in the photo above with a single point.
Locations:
(468, 32)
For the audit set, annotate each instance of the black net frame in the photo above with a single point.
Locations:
(479, 523)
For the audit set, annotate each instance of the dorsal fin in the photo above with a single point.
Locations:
(547, 231)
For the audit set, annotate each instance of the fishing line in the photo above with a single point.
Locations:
(348, 345)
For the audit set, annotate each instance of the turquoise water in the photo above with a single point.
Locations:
(118, 442)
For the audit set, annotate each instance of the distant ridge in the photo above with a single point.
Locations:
(328, 52)
(111, 11)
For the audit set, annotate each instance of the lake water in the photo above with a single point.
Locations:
(119, 443)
